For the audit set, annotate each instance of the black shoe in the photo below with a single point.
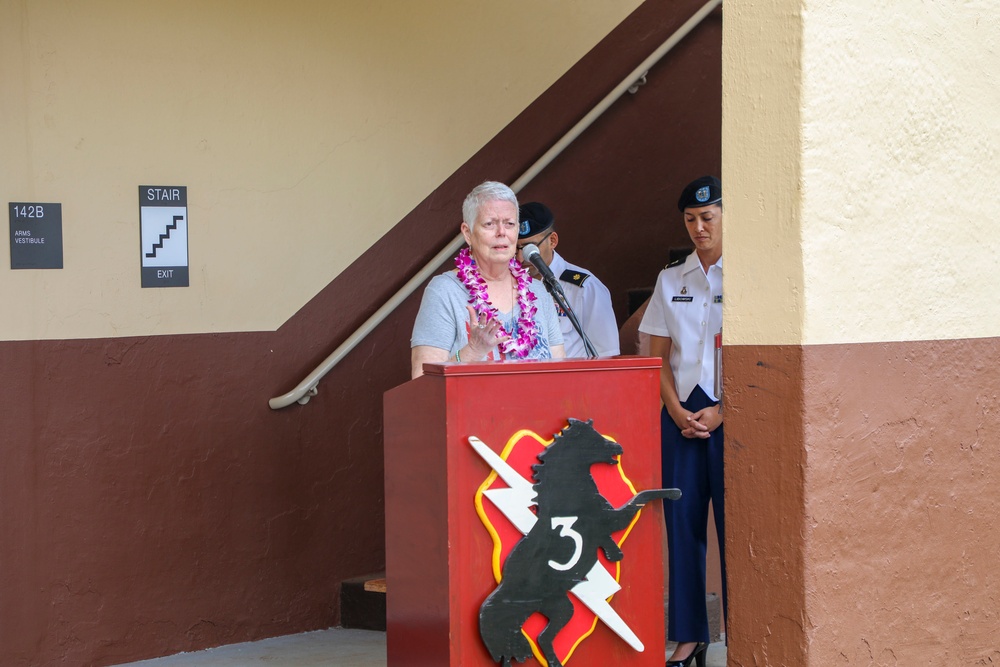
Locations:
(698, 655)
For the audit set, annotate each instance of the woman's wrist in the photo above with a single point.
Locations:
(469, 353)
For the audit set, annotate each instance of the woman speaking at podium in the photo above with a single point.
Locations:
(487, 307)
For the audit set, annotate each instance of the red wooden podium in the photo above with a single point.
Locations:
(440, 558)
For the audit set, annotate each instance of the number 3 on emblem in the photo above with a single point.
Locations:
(566, 522)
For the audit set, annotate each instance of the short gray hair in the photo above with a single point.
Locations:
(486, 191)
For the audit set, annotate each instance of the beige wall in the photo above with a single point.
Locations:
(872, 201)
(761, 168)
(303, 130)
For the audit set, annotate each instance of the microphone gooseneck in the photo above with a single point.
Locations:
(531, 253)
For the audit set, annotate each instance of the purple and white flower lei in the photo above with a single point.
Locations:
(527, 330)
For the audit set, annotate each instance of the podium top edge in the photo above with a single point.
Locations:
(516, 367)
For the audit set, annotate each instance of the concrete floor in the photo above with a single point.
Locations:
(323, 648)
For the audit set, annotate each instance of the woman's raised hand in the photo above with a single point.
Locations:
(484, 334)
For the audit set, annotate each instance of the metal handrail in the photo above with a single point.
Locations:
(307, 388)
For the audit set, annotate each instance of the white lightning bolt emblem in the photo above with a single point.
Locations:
(514, 503)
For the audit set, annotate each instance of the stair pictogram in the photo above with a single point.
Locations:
(165, 235)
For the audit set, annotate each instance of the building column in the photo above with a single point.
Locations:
(861, 170)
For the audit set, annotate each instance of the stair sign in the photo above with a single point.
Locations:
(163, 224)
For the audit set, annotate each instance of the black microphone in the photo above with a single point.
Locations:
(530, 252)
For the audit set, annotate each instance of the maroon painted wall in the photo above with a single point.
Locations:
(861, 503)
(151, 502)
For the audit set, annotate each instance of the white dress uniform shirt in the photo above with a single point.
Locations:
(591, 301)
(686, 307)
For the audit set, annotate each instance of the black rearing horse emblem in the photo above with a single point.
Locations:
(573, 521)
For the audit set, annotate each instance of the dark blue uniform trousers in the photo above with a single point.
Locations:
(694, 466)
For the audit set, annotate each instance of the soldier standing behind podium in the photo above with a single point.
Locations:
(586, 295)
(683, 316)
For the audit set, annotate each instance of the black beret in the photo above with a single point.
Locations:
(535, 219)
(701, 192)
